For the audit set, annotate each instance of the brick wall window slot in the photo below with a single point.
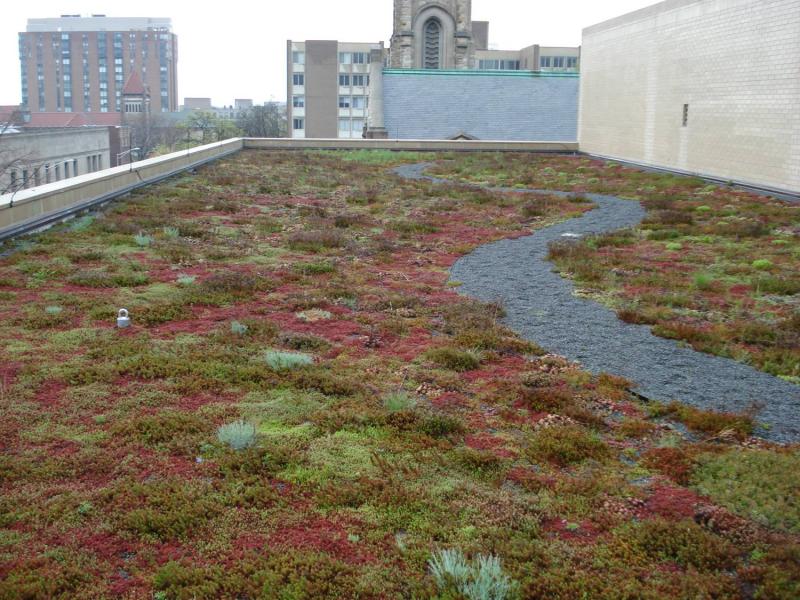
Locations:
(685, 115)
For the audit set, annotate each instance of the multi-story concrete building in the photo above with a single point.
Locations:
(81, 64)
(328, 83)
(702, 86)
(328, 88)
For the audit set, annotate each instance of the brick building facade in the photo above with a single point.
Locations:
(81, 64)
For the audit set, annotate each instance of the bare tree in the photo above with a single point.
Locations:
(267, 121)
(10, 159)
(143, 131)
(151, 131)
(225, 129)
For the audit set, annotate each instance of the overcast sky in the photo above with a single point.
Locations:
(238, 50)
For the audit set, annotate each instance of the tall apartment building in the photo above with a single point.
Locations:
(328, 88)
(328, 82)
(81, 64)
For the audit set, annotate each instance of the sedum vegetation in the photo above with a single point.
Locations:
(303, 408)
(713, 267)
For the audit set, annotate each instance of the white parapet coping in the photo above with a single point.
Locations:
(409, 145)
(43, 205)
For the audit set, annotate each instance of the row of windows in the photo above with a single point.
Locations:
(558, 62)
(353, 58)
(49, 173)
(499, 65)
(351, 125)
(345, 125)
(346, 80)
(545, 62)
(299, 79)
(345, 58)
(358, 102)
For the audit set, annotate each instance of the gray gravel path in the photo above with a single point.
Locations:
(541, 306)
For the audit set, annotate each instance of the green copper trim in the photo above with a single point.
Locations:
(476, 73)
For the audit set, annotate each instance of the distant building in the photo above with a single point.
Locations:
(336, 89)
(48, 155)
(328, 86)
(710, 87)
(197, 104)
(230, 112)
(81, 64)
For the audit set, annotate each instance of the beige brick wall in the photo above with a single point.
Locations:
(736, 63)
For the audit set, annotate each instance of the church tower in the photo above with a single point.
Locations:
(432, 34)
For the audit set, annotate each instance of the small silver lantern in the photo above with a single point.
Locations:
(123, 319)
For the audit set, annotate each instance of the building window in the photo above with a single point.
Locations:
(88, 164)
(100, 162)
(58, 172)
(360, 80)
(47, 173)
(433, 45)
(499, 65)
(299, 79)
(345, 101)
(572, 62)
(359, 58)
(75, 167)
(344, 80)
(685, 115)
(299, 101)
(298, 124)
(66, 170)
(344, 125)
(359, 102)
(358, 125)
(558, 62)
(545, 62)
(299, 58)
(345, 58)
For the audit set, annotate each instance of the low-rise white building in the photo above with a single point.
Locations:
(29, 158)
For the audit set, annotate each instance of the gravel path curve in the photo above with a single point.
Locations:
(541, 306)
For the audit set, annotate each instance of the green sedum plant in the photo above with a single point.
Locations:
(481, 579)
(756, 484)
(142, 240)
(398, 402)
(239, 435)
(287, 361)
(238, 328)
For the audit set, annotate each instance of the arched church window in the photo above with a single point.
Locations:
(433, 45)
